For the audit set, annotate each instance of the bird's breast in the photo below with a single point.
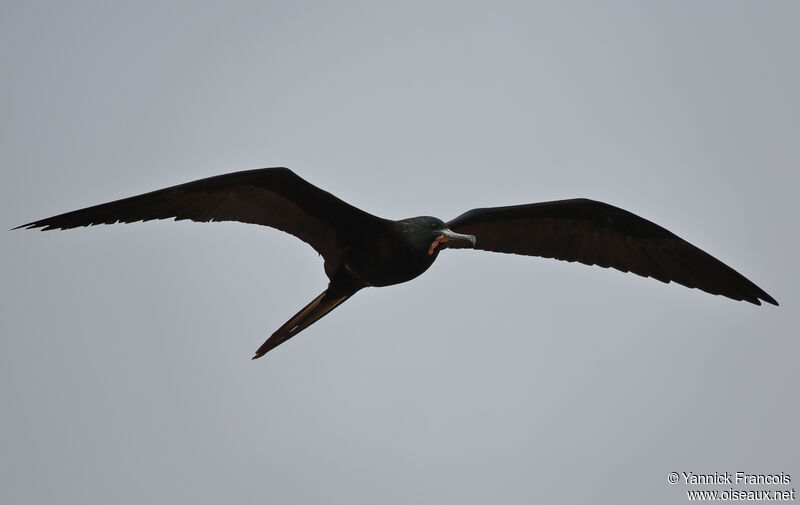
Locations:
(386, 261)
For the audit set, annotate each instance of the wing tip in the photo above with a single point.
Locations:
(26, 226)
(770, 300)
(758, 295)
(755, 299)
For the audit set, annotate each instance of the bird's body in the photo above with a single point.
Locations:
(401, 251)
(361, 250)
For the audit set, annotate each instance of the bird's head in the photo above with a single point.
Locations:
(428, 232)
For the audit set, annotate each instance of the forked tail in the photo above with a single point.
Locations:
(307, 316)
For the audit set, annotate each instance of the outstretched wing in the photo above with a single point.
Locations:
(275, 197)
(595, 233)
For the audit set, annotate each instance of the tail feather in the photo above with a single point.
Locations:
(308, 315)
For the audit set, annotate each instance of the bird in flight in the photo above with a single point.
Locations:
(361, 250)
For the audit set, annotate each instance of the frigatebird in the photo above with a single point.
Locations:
(362, 250)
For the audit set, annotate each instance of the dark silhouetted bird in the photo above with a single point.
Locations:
(362, 250)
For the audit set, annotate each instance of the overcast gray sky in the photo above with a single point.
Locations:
(126, 376)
